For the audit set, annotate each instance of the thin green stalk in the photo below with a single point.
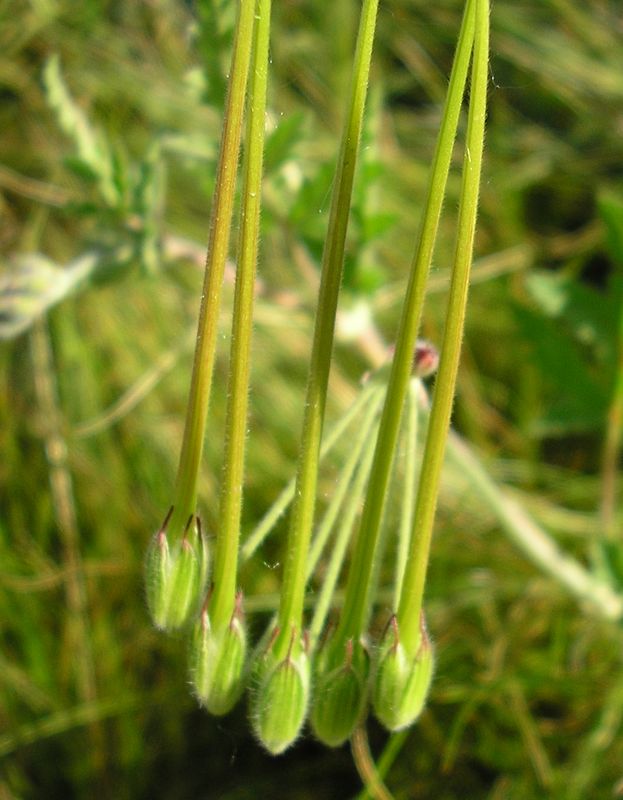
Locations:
(293, 587)
(388, 756)
(356, 608)
(415, 573)
(360, 438)
(408, 495)
(226, 552)
(344, 533)
(367, 769)
(269, 520)
(218, 244)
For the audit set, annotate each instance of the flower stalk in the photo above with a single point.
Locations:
(410, 606)
(359, 585)
(294, 577)
(185, 501)
(223, 598)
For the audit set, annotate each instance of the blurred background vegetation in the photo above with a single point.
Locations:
(109, 123)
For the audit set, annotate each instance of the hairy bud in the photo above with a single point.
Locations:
(280, 699)
(176, 575)
(402, 682)
(340, 693)
(217, 662)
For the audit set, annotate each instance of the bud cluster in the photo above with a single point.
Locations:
(176, 575)
(218, 662)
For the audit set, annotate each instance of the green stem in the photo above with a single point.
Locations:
(391, 752)
(218, 244)
(359, 440)
(344, 533)
(439, 422)
(356, 607)
(223, 598)
(269, 520)
(408, 495)
(293, 587)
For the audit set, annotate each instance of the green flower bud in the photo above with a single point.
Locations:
(402, 682)
(280, 699)
(176, 575)
(340, 691)
(217, 662)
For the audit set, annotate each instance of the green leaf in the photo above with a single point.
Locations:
(610, 209)
(281, 142)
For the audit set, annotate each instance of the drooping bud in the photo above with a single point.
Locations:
(176, 575)
(280, 698)
(402, 682)
(425, 359)
(218, 661)
(340, 691)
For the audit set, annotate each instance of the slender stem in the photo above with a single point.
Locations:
(388, 756)
(408, 495)
(367, 769)
(361, 437)
(293, 587)
(218, 244)
(343, 536)
(439, 422)
(269, 520)
(226, 552)
(356, 606)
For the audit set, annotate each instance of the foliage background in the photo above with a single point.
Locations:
(528, 698)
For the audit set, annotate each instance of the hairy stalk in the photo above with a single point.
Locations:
(293, 587)
(218, 244)
(223, 597)
(410, 606)
(356, 608)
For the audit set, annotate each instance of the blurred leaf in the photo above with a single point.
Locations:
(282, 140)
(35, 283)
(148, 205)
(577, 396)
(376, 225)
(610, 208)
(34, 286)
(92, 147)
(215, 25)
(612, 552)
(589, 314)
